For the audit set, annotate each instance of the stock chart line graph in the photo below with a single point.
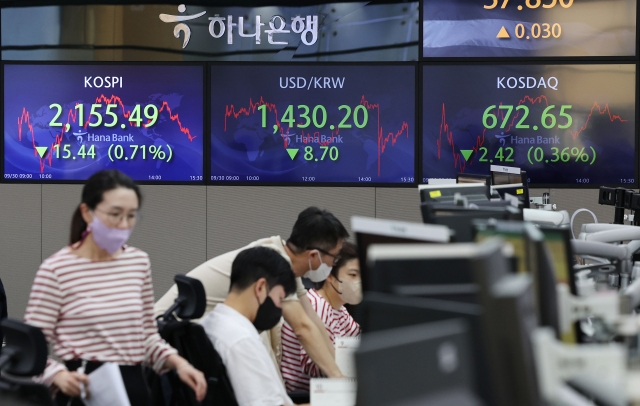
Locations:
(572, 124)
(601, 111)
(460, 163)
(66, 121)
(24, 120)
(306, 123)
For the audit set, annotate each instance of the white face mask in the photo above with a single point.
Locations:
(350, 291)
(320, 274)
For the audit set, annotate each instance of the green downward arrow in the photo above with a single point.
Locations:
(41, 151)
(292, 152)
(466, 153)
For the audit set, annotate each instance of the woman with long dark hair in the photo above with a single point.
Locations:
(343, 286)
(94, 300)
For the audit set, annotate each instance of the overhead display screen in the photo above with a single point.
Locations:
(66, 122)
(313, 123)
(563, 124)
(529, 28)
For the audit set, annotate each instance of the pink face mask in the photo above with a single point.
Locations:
(107, 238)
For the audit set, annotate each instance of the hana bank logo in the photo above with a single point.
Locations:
(501, 137)
(307, 27)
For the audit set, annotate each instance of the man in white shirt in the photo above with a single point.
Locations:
(260, 280)
(311, 251)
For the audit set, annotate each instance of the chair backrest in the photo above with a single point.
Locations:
(192, 297)
(25, 353)
(192, 343)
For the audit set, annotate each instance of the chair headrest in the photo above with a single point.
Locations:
(26, 351)
(192, 297)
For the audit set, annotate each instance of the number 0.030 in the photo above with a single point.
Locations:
(544, 30)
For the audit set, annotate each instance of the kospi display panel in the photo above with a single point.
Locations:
(563, 124)
(529, 28)
(65, 122)
(313, 124)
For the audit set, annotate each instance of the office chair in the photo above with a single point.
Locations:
(192, 343)
(24, 355)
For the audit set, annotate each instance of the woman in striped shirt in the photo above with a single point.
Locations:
(341, 287)
(94, 300)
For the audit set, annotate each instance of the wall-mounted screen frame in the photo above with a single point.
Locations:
(288, 126)
(444, 83)
(533, 29)
(159, 127)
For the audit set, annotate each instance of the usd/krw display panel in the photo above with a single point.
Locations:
(313, 124)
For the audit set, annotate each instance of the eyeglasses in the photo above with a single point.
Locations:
(336, 258)
(115, 219)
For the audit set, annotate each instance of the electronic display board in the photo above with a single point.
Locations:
(313, 123)
(563, 124)
(64, 122)
(529, 28)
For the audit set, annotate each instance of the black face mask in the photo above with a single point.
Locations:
(268, 315)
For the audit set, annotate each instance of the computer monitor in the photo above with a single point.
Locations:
(504, 175)
(508, 314)
(492, 203)
(370, 231)
(385, 311)
(511, 232)
(429, 363)
(509, 318)
(517, 190)
(533, 257)
(445, 193)
(394, 267)
(558, 242)
(459, 218)
(473, 178)
(382, 311)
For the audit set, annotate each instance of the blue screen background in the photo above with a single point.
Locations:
(30, 89)
(380, 152)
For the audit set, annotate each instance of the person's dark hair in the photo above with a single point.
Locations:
(348, 252)
(316, 228)
(92, 194)
(261, 262)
